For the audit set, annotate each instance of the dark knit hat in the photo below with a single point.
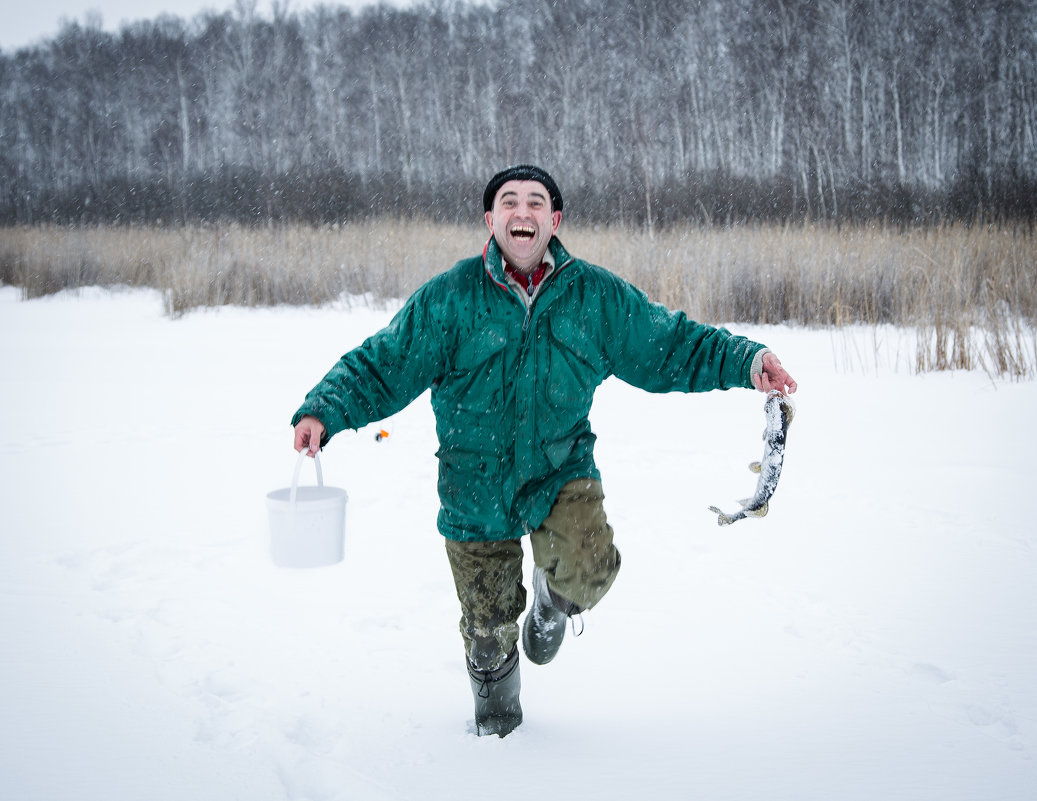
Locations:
(522, 172)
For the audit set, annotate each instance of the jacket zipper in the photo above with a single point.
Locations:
(537, 291)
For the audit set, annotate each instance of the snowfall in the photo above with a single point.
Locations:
(873, 638)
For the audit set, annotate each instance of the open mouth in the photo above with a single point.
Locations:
(525, 232)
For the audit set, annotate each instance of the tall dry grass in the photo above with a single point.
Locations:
(234, 265)
(969, 293)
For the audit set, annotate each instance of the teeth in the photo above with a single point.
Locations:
(522, 230)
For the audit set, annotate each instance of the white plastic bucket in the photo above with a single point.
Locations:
(307, 524)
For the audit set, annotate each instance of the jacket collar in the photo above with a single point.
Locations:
(493, 261)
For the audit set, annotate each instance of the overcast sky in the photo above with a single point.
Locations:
(26, 22)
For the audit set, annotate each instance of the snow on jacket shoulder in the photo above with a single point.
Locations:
(512, 387)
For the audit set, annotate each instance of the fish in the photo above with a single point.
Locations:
(778, 410)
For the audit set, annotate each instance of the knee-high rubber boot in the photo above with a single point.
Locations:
(544, 627)
(496, 692)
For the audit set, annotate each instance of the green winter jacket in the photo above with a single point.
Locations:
(512, 387)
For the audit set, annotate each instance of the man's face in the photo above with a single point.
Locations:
(523, 223)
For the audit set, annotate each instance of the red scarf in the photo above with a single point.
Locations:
(528, 282)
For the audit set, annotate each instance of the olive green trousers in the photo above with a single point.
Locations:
(574, 548)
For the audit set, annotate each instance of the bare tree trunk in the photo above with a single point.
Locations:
(185, 121)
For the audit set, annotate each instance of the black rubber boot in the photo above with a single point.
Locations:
(497, 707)
(544, 627)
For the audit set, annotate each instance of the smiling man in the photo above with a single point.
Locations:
(513, 344)
(523, 211)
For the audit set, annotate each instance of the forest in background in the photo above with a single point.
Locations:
(648, 114)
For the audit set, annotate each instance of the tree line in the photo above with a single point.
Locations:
(647, 113)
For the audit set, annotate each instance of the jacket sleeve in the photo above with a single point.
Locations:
(660, 350)
(380, 377)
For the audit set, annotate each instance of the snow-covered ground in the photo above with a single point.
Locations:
(873, 638)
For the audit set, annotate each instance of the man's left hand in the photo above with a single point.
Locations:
(774, 376)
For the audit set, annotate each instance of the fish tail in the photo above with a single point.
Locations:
(723, 519)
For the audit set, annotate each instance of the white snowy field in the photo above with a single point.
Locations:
(873, 638)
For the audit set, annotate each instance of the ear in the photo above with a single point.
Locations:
(556, 220)
(489, 220)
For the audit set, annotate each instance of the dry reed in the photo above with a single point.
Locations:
(970, 293)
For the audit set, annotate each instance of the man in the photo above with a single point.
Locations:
(513, 344)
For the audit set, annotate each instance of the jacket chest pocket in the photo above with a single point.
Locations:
(476, 380)
(576, 364)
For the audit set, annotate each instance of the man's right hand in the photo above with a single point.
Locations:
(308, 434)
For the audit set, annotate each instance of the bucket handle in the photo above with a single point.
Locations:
(295, 476)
